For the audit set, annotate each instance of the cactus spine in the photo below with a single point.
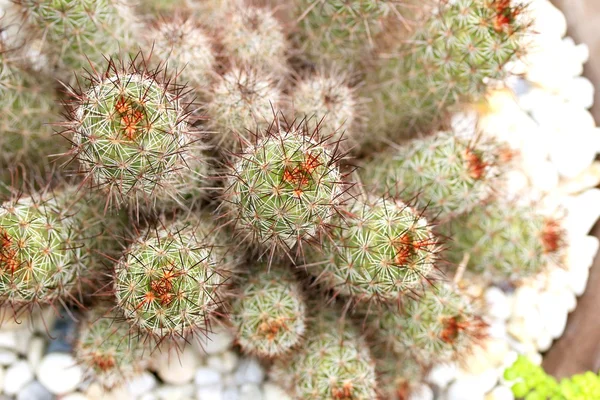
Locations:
(132, 138)
(172, 280)
(283, 189)
(269, 314)
(376, 250)
(334, 363)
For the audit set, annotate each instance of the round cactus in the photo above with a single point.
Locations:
(334, 363)
(269, 314)
(440, 325)
(377, 250)
(283, 189)
(504, 240)
(326, 101)
(28, 107)
(397, 374)
(108, 349)
(252, 36)
(186, 47)
(448, 61)
(79, 34)
(242, 101)
(446, 175)
(132, 139)
(42, 250)
(172, 280)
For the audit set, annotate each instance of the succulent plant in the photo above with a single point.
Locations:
(269, 314)
(447, 62)
(132, 138)
(504, 240)
(377, 250)
(109, 350)
(446, 175)
(79, 34)
(283, 189)
(334, 363)
(172, 280)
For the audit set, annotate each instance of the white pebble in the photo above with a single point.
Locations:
(464, 390)
(274, 392)
(582, 213)
(223, 363)
(578, 280)
(177, 368)
(7, 357)
(421, 392)
(580, 92)
(16, 377)
(250, 391)
(216, 342)
(442, 374)
(544, 341)
(141, 384)
(207, 377)
(74, 396)
(231, 393)
(497, 303)
(1, 378)
(59, 373)
(36, 351)
(249, 371)
(97, 392)
(22, 341)
(172, 392)
(209, 393)
(8, 339)
(500, 393)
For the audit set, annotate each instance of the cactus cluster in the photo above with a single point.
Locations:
(225, 162)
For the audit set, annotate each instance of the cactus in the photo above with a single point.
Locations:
(504, 240)
(242, 101)
(79, 34)
(397, 374)
(132, 138)
(252, 36)
(28, 107)
(334, 363)
(341, 31)
(445, 174)
(327, 101)
(186, 47)
(376, 251)
(108, 349)
(269, 314)
(283, 189)
(172, 280)
(441, 325)
(43, 247)
(458, 49)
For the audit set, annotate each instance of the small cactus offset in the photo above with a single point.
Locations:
(284, 188)
(172, 280)
(377, 250)
(270, 312)
(109, 350)
(132, 138)
(446, 63)
(334, 363)
(79, 34)
(444, 174)
(504, 241)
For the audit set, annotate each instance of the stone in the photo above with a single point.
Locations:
(421, 392)
(249, 371)
(225, 362)
(175, 392)
(74, 396)
(215, 342)
(34, 391)
(141, 384)
(498, 304)
(7, 357)
(544, 341)
(442, 374)
(59, 373)
(8, 339)
(36, 351)
(210, 393)
(177, 368)
(16, 377)
(465, 389)
(232, 393)
(97, 392)
(579, 92)
(250, 391)
(500, 393)
(207, 377)
(274, 392)
(23, 338)
(583, 211)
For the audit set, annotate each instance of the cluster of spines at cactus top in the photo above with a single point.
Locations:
(211, 98)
